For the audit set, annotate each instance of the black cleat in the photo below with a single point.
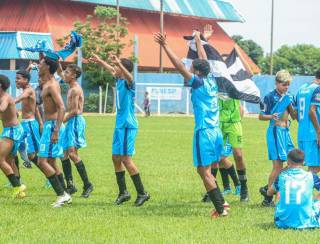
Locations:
(263, 191)
(206, 198)
(141, 199)
(267, 203)
(122, 197)
(244, 195)
(71, 189)
(87, 191)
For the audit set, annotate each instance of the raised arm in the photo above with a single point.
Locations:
(57, 99)
(201, 52)
(96, 59)
(126, 73)
(60, 71)
(161, 39)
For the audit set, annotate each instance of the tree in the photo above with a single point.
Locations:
(300, 59)
(104, 38)
(254, 51)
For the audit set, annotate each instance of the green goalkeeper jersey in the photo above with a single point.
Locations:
(229, 111)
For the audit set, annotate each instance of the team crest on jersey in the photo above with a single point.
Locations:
(317, 97)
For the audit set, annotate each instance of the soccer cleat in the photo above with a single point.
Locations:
(61, 200)
(227, 191)
(215, 214)
(263, 191)
(87, 191)
(122, 197)
(27, 164)
(237, 190)
(226, 206)
(141, 199)
(71, 189)
(206, 198)
(19, 192)
(244, 195)
(267, 203)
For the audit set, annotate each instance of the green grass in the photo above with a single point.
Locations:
(173, 215)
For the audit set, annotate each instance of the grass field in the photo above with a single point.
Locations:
(173, 215)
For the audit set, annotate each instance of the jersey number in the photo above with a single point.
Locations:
(302, 107)
(299, 188)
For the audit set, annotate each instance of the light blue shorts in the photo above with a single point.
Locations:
(48, 149)
(32, 134)
(311, 153)
(207, 146)
(123, 141)
(279, 143)
(74, 135)
(14, 133)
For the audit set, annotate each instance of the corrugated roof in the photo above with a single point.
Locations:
(9, 41)
(211, 9)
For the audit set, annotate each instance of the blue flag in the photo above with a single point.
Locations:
(41, 46)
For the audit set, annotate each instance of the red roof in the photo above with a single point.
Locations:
(57, 17)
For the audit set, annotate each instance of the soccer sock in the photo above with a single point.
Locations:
(83, 173)
(138, 183)
(214, 172)
(242, 178)
(14, 180)
(16, 161)
(233, 174)
(217, 199)
(121, 181)
(61, 180)
(225, 178)
(56, 185)
(67, 170)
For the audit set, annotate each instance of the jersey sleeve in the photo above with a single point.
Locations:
(275, 185)
(315, 100)
(266, 107)
(316, 182)
(195, 82)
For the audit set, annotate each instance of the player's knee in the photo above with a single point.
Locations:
(74, 157)
(31, 156)
(116, 159)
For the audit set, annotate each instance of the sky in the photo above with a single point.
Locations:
(295, 22)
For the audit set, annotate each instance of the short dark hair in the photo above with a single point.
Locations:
(202, 66)
(4, 82)
(53, 64)
(25, 74)
(318, 74)
(296, 156)
(127, 63)
(75, 69)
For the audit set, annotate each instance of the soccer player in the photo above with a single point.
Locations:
(231, 127)
(308, 102)
(296, 208)
(29, 123)
(278, 106)
(208, 141)
(11, 137)
(126, 129)
(74, 136)
(53, 129)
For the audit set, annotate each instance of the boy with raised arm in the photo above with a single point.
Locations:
(207, 140)
(53, 129)
(11, 137)
(126, 128)
(74, 137)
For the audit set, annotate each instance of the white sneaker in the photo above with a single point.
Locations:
(61, 200)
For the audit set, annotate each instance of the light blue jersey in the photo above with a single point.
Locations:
(125, 99)
(306, 131)
(296, 208)
(204, 98)
(207, 139)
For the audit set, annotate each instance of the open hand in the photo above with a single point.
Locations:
(160, 38)
(275, 116)
(207, 31)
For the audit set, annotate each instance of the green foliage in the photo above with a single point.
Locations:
(300, 59)
(91, 103)
(254, 50)
(103, 37)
